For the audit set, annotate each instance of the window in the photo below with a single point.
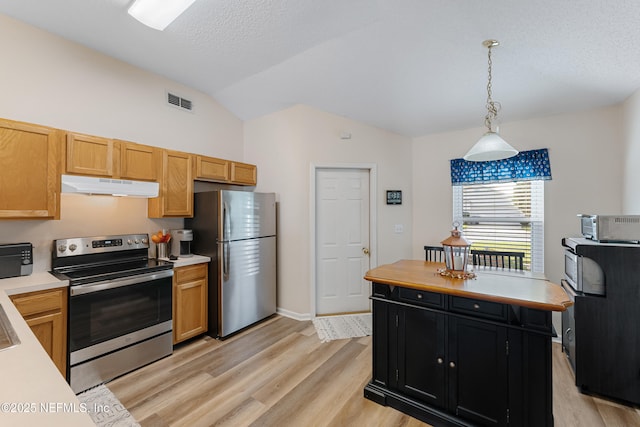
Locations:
(504, 216)
(500, 203)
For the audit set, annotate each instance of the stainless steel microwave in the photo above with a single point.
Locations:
(582, 273)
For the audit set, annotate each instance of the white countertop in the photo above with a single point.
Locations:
(35, 282)
(184, 261)
(32, 391)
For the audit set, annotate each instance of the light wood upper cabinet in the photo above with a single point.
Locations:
(89, 155)
(220, 170)
(29, 171)
(244, 173)
(139, 162)
(211, 169)
(189, 301)
(33, 158)
(46, 314)
(176, 187)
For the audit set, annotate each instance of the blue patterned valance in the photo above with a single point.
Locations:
(525, 166)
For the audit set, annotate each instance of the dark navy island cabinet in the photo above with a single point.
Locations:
(455, 361)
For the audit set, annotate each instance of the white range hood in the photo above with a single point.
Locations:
(108, 186)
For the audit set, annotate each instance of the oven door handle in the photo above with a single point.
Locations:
(118, 283)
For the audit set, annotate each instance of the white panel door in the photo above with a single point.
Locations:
(342, 240)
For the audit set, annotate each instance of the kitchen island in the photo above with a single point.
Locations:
(463, 352)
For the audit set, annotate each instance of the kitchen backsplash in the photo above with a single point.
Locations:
(83, 215)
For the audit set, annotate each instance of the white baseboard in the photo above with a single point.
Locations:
(293, 314)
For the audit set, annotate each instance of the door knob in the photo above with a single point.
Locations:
(365, 251)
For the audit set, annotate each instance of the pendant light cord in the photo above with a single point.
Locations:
(492, 106)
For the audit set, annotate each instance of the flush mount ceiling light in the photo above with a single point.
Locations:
(491, 146)
(158, 14)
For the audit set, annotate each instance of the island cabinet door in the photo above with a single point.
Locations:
(384, 342)
(478, 371)
(421, 355)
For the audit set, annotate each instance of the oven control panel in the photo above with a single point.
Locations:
(108, 243)
(100, 244)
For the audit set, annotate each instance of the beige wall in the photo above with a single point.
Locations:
(288, 143)
(585, 150)
(84, 216)
(631, 204)
(48, 80)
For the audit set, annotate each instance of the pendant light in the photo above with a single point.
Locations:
(491, 146)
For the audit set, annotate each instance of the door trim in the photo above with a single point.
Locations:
(372, 168)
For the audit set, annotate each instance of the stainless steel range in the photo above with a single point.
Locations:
(120, 306)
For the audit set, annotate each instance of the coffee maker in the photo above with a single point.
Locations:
(181, 243)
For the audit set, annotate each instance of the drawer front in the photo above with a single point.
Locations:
(38, 302)
(479, 308)
(380, 291)
(536, 319)
(427, 299)
(190, 272)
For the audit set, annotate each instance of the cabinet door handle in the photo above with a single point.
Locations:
(439, 360)
(452, 364)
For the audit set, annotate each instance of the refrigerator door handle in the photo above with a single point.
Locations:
(226, 222)
(225, 260)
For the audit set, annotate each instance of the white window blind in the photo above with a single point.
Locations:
(503, 216)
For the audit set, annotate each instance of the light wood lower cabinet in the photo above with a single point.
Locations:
(190, 289)
(46, 314)
(29, 171)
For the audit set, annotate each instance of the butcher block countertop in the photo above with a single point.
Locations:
(521, 288)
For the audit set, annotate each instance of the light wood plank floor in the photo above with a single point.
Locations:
(279, 374)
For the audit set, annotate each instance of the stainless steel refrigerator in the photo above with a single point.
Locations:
(237, 229)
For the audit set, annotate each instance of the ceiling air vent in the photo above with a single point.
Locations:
(185, 103)
(179, 102)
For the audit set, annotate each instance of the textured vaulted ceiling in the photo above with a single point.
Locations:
(410, 66)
